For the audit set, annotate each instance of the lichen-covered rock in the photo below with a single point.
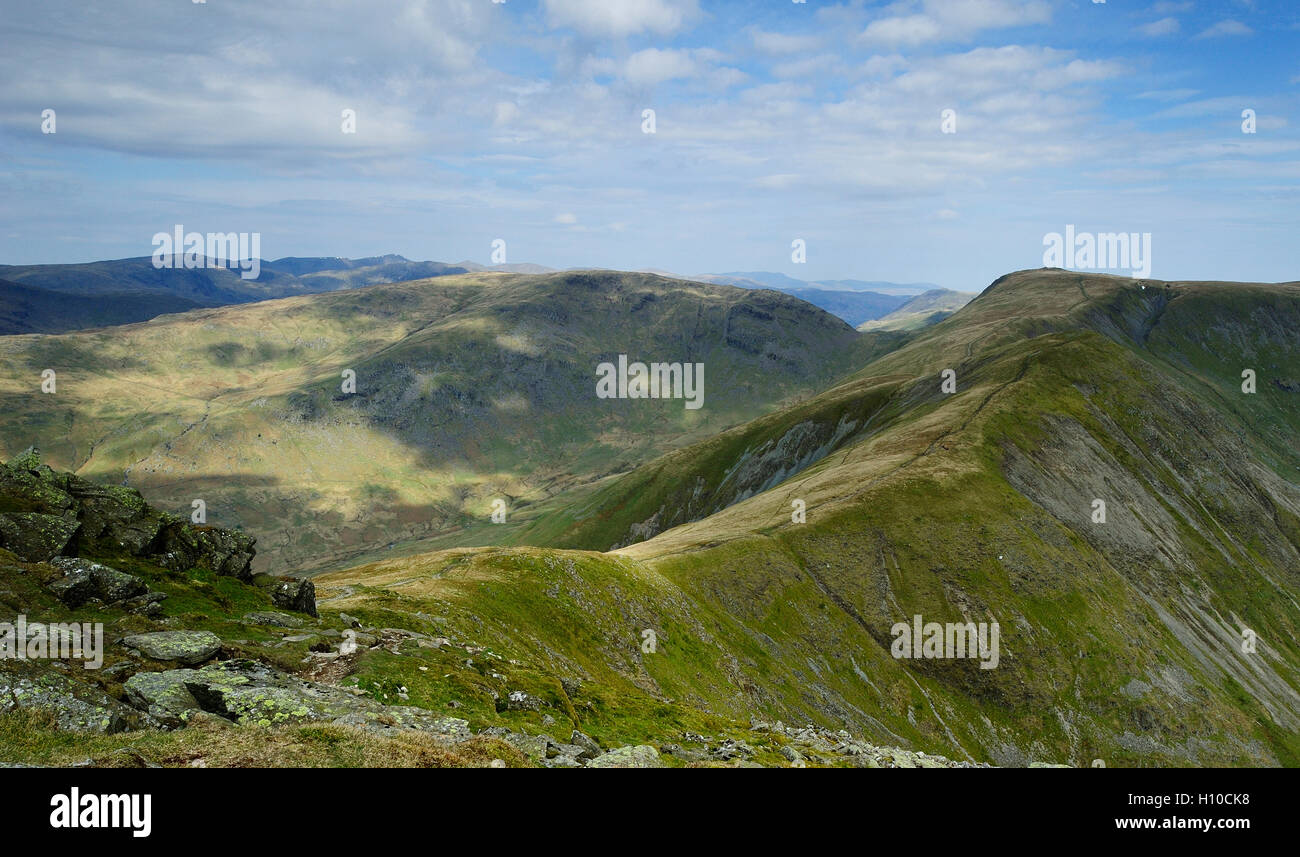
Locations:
(181, 546)
(388, 717)
(74, 589)
(289, 593)
(185, 647)
(148, 604)
(83, 580)
(271, 617)
(163, 695)
(640, 756)
(732, 749)
(535, 747)
(588, 748)
(26, 485)
(44, 514)
(75, 705)
(34, 536)
(253, 693)
(114, 518)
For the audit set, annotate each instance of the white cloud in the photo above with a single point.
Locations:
(952, 20)
(1227, 27)
(455, 144)
(505, 113)
(908, 30)
(1229, 105)
(1163, 27)
(652, 65)
(1168, 94)
(808, 66)
(619, 18)
(244, 91)
(783, 43)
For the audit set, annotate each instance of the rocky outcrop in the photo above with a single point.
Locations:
(250, 692)
(289, 593)
(180, 545)
(34, 536)
(45, 514)
(85, 582)
(273, 618)
(183, 647)
(641, 756)
(75, 706)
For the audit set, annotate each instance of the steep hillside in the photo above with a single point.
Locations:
(468, 389)
(854, 307)
(855, 301)
(782, 282)
(27, 309)
(61, 298)
(923, 310)
(132, 638)
(203, 286)
(1163, 634)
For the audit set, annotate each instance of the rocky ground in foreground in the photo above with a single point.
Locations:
(205, 664)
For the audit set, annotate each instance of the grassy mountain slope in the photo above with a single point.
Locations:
(201, 664)
(61, 298)
(468, 388)
(782, 282)
(203, 286)
(923, 310)
(27, 309)
(1121, 640)
(855, 301)
(854, 307)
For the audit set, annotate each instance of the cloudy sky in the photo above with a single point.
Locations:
(774, 120)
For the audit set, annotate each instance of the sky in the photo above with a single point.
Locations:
(524, 121)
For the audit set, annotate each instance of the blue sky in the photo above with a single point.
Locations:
(774, 121)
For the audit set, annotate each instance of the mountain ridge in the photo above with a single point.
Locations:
(975, 506)
(468, 388)
(759, 572)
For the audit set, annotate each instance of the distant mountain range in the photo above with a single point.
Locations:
(29, 309)
(923, 310)
(1069, 458)
(216, 286)
(62, 298)
(856, 301)
(468, 388)
(773, 280)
